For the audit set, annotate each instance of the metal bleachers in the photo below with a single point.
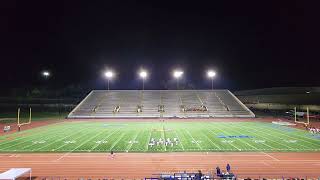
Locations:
(145, 104)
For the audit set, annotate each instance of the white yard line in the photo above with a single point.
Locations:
(164, 138)
(240, 138)
(180, 141)
(149, 138)
(59, 140)
(193, 138)
(227, 142)
(134, 139)
(84, 129)
(33, 137)
(279, 132)
(265, 138)
(92, 137)
(116, 142)
(210, 140)
(107, 137)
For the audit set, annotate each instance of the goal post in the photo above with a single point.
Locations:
(295, 117)
(24, 123)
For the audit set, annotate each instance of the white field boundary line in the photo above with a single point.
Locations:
(193, 138)
(79, 137)
(263, 137)
(237, 138)
(187, 154)
(267, 135)
(106, 138)
(134, 139)
(30, 138)
(271, 156)
(180, 141)
(84, 142)
(276, 131)
(22, 135)
(58, 140)
(222, 131)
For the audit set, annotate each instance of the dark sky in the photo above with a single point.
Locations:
(251, 44)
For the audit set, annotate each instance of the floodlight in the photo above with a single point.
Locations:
(211, 74)
(143, 74)
(46, 74)
(108, 74)
(177, 74)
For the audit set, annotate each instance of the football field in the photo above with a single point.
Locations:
(85, 136)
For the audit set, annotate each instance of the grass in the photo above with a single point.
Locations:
(135, 136)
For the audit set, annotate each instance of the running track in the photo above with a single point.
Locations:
(139, 165)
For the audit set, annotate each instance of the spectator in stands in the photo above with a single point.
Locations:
(228, 168)
(198, 176)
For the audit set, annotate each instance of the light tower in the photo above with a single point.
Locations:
(109, 75)
(211, 74)
(143, 75)
(177, 74)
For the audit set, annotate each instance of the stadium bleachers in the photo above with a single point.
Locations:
(146, 104)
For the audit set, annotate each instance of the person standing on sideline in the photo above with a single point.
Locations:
(112, 154)
(228, 168)
(218, 171)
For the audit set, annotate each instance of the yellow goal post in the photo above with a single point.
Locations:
(25, 123)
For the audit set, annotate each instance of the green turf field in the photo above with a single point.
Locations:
(135, 137)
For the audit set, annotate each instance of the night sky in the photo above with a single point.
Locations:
(251, 44)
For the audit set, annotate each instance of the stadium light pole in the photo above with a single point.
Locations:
(143, 75)
(177, 74)
(108, 75)
(211, 74)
